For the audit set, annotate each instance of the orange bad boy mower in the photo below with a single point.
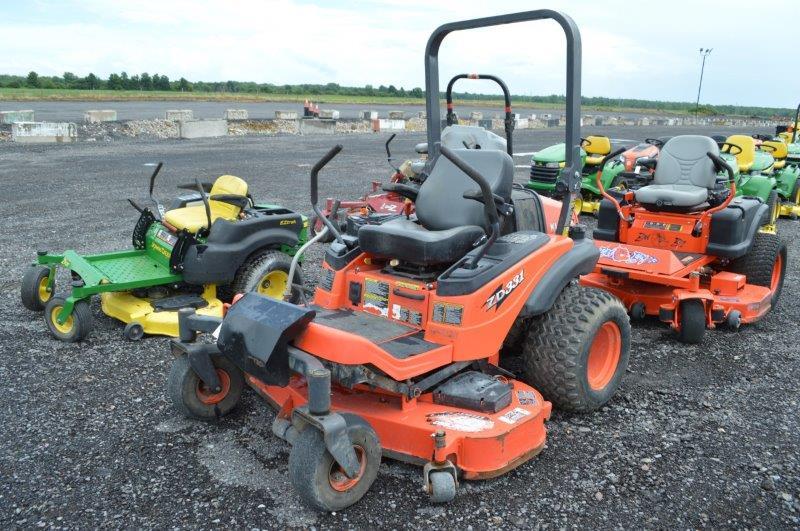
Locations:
(397, 354)
(685, 248)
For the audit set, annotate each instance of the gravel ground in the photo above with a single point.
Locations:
(698, 436)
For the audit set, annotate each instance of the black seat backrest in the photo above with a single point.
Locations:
(440, 203)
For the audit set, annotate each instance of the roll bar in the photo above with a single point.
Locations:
(794, 125)
(509, 119)
(570, 175)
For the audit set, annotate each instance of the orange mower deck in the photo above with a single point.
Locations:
(481, 445)
(659, 280)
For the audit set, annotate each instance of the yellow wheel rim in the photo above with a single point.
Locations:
(273, 284)
(65, 328)
(577, 205)
(44, 292)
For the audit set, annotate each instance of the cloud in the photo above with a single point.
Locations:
(629, 49)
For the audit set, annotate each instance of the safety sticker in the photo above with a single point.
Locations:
(658, 225)
(444, 312)
(165, 236)
(514, 415)
(408, 285)
(406, 315)
(527, 398)
(326, 283)
(377, 296)
(458, 421)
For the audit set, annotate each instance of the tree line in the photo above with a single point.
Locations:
(150, 82)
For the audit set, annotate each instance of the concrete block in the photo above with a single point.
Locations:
(552, 122)
(202, 128)
(43, 132)
(521, 123)
(382, 124)
(177, 115)
(397, 115)
(315, 126)
(286, 115)
(476, 115)
(368, 115)
(421, 114)
(10, 117)
(236, 114)
(329, 114)
(93, 117)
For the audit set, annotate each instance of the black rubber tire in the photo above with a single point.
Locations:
(183, 383)
(81, 320)
(758, 263)
(310, 466)
(29, 291)
(774, 207)
(556, 350)
(133, 331)
(251, 272)
(692, 321)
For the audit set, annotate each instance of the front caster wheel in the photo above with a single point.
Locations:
(317, 477)
(692, 321)
(75, 327)
(194, 399)
(34, 292)
(442, 487)
(133, 332)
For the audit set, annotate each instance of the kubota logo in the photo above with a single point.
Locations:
(503, 291)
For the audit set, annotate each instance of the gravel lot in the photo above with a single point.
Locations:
(699, 436)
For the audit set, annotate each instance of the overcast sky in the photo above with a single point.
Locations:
(636, 49)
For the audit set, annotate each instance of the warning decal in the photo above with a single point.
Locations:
(514, 415)
(376, 296)
(461, 421)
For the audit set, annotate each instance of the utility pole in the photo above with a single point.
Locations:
(704, 52)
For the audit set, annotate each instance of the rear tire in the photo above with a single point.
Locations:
(317, 478)
(765, 264)
(576, 353)
(76, 327)
(192, 399)
(774, 207)
(692, 321)
(33, 292)
(266, 273)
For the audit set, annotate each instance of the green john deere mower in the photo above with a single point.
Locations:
(207, 246)
(759, 173)
(546, 165)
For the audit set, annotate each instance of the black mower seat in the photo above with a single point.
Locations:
(448, 224)
(684, 174)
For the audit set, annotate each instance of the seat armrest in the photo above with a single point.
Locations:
(240, 201)
(476, 195)
(407, 191)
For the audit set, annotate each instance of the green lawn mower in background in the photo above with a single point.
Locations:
(547, 163)
(199, 252)
(755, 173)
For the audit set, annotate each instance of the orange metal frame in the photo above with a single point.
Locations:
(481, 445)
(660, 261)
